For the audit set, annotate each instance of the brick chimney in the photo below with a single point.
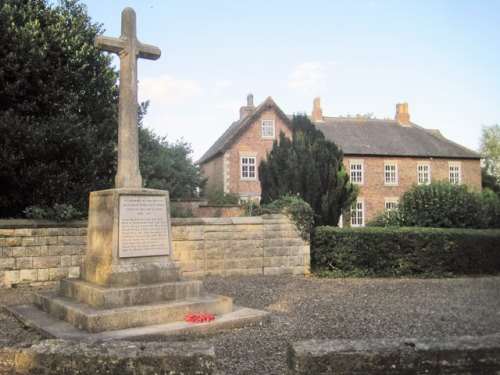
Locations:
(317, 113)
(245, 110)
(402, 115)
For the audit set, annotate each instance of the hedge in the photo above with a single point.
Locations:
(405, 251)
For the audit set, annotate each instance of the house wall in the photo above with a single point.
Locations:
(251, 143)
(214, 173)
(374, 192)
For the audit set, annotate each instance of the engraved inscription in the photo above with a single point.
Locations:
(143, 226)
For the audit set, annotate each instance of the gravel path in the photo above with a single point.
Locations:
(306, 308)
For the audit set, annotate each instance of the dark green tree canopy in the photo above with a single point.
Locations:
(308, 165)
(59, 113)
(58, 106)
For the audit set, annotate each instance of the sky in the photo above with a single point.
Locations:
(442, 57)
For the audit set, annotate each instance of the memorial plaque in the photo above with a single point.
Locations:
(143, 226)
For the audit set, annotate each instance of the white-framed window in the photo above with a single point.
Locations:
(391, 203)
(455, 173)
(391, 174)
(423, 174)
(356, 172)
(248, 164)
(268, 129)
(357, 214)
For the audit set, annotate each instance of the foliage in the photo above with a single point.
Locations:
(489, 182)
(168, 166)
(177, 210)
(57, 212)
(442, 205)
(308, 165)
(490, 149)
(405, 251)
(300, 212)
(217, 197)
(58, 107)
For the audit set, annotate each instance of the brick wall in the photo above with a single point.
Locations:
(251, 143)
(374, 191)
(40, 252)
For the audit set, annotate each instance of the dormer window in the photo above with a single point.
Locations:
(268, 129)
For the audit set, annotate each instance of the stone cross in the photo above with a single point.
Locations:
(128, 47)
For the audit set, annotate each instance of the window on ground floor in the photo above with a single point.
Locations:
(248, 164)
(357, 214)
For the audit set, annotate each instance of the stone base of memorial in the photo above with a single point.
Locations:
(129, 238)
(129, 287)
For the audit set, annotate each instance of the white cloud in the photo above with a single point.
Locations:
(308, 76)
(166, 89)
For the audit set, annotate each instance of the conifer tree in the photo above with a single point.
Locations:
(311, 166)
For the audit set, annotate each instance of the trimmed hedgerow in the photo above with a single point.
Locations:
(405, 251)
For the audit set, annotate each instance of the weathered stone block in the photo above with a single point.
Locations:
(43, 274)
(71, 232)
(7, 232)
(56, 273)
(67, 240)
(76, 260)
(55, 231)
(52, 240)
(7, 263)
(72, 249)
(22, 232)
(47, 262)
(28, 275)
(296, 261)
(66, 261)
(24, 262)
(14, 241)
(18, 252)
(73, 272)
(29, 241)
(82, 232)
(275, 261)
(37, 232)
(56, 250)
(33, 251)
(7, 252)
(2, 241)
(11, 277)
(196, 255)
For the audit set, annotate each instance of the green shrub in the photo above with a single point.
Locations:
(442, 205)
(176, 210)
(217, 197)
(299, 211)
(57, 212)
(405, 251)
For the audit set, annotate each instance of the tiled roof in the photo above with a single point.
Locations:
(357, 136)
(237, 127)
(389, 138)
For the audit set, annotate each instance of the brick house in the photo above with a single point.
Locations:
(232, 161)
(384, 157)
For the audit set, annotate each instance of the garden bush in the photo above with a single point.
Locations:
(443, 205)
(405, 251)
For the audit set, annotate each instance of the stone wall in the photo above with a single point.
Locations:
(36, 252)
(451, 355)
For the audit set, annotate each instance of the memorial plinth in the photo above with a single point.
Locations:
(129, 238)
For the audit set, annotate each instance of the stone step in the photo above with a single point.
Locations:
(103, 297)
(90, 319)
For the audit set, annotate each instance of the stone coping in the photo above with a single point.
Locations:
(42, 223)
(447, 355)
(113, 358)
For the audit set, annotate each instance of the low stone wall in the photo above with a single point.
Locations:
(452, 355)
(112, 358)
(38, 252)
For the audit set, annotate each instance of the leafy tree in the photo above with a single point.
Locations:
(490, 148)
(58, 116)
(168, 166)
(308, 165)
(58, 107)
